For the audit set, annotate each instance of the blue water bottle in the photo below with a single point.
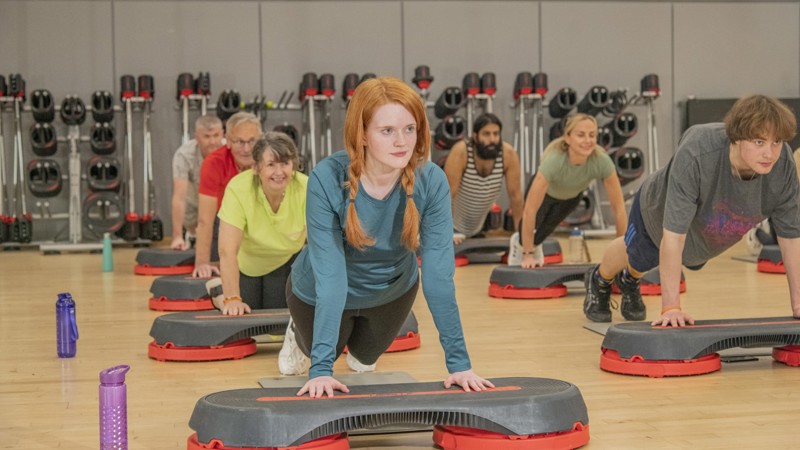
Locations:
(66, 326)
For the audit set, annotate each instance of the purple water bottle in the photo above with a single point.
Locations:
(113, 409)
(66, 326)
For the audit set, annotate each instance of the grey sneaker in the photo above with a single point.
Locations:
(291, 360)
(632, 306)
(597, 304)
(214, 288)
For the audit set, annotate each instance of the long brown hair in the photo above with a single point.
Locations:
(368, 97)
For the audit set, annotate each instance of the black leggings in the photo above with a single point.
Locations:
(267, 291)
(367, 333)
(552, 212)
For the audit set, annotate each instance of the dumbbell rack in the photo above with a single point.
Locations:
(647, 95)
(529, 92)
(316, 97)
(193, 94)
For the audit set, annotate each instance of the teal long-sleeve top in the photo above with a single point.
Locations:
(332, 276)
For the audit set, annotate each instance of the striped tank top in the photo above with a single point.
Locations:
(476, 195)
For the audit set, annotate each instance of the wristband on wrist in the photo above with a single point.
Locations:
(232, 298)
(671, 308)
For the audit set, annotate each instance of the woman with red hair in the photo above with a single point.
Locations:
(369, 209)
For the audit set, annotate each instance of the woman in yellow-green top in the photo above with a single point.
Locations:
(262, 227)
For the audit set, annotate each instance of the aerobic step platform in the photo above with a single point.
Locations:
(770, 260)
(212, 336)
(495, 250)
(164, 261)
(180, 293)
(541, 282)
(519, 413)
(637, 348)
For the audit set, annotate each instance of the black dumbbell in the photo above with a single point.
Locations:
(523, 84)
(629, 162)
(228, 104)
(349, 86)
(623, 127)
(147, 88)
(540, 83)
(309, 85)
(290, 130)
(103, 174)
(449, 101)
(102, 212)
(327, 86)
(471, 84)
(449, 131)
(203, 84)
(185, 85)
(562, 102)
(44, 177)
(43, 139)
(16, 86)
(102, 106)
(43, 106)
(127, 87)
(73, 111)
(3, 87)
(595, 99)
(649, 85)
(103, 139)
(422, 77)
(489, 83)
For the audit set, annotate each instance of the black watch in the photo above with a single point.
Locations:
(216, 291)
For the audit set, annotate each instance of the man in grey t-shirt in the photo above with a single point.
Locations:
(186, 177)
(723, 180)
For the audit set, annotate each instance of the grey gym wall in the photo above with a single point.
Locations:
(65, 47)
(457, 37)
(326, 37)
(164, 39)
(732, 49)
(711, 49)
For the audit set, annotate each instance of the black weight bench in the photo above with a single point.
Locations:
(641, 349)
(519, 413)
(212, 336)
(164, 261)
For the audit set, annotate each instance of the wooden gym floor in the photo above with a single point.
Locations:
(47, 402)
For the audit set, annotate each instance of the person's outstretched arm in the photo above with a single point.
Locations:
(180, 187)
(614, 192)
(670, 255)
(513, 175)
(790, 252)
(532, 204)
(206, 209)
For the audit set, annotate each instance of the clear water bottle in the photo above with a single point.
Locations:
(66, 326)
(576, 245)
(113, 398)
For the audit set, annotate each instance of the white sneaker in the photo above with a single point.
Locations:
(514, 251)
(356, 365)
(291, 360)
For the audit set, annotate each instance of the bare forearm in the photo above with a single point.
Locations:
(229, 272)
(670, 256)
(178, 213)
(205, 232)
(790, 252)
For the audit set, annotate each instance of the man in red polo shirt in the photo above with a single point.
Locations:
(242, 131)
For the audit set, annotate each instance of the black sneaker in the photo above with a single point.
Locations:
(632, 306)
(596, 306)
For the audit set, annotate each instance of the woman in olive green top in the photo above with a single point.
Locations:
(569, 164)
